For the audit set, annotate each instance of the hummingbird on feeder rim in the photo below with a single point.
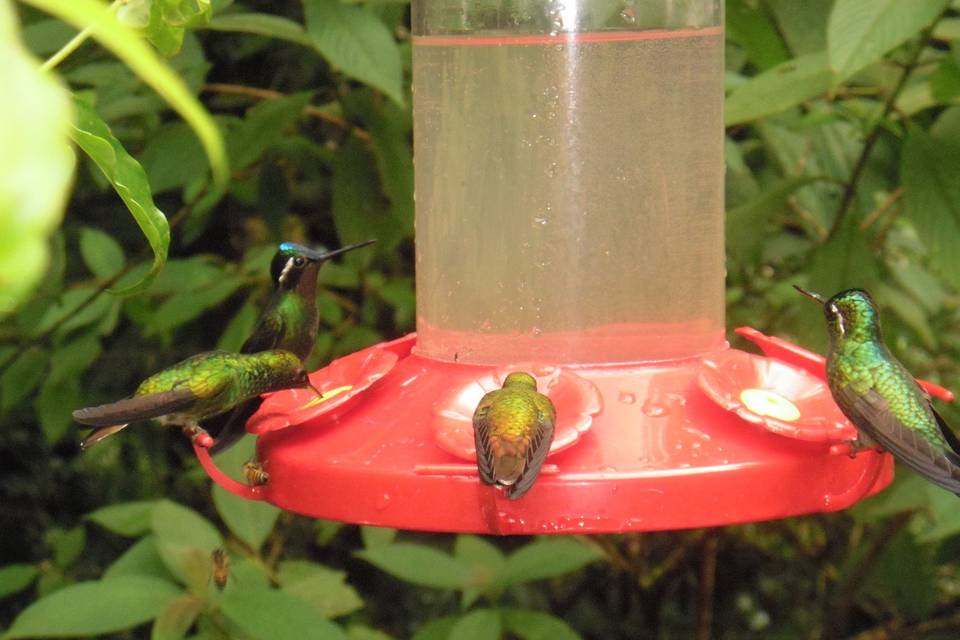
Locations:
(199, 387)
(513, 429)
(289, 321)
(879, 396)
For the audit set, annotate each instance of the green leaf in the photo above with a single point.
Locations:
(262, 24)
(905, 576)
(418, 564)
(929, 173)
(36, 169)
(803, 24)
(101, 253)
(129, 519)
(779, 88)
(321, 586)
(239, 328)
(126, 175)
(249, 520)
(177, 618)
(94, 608)
(22, 376)
(127, 45)
(142, 559)
(860, 32)
(185, 540)
(436, 629)
(377, 536)
(945, 81)
(163, 22)
(66, 544)
(535, 625)
(269, 614)
(358, 213)
(265, 123)
(16, 577)
(479, 624)
(361, 632)
(354, 40)
(173, 158)
(547, 558)
(908, 310)
(753, 30)
(182, 308)
(485, 561)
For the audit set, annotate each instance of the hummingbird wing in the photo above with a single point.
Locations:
(142, 407)
(871, 413)
(481, 437)
(947, 432)
(536, 454)
(229, 427)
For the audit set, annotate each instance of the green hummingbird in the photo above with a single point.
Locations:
(879, 396)
(199, 387)
(289, 321)
(513, 429)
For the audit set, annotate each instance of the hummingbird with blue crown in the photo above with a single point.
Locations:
(289, 321)
(195, 389)
(879, 396)
(513, 429)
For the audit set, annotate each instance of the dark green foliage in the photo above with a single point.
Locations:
(843, 170)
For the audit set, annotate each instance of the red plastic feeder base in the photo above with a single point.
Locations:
(728, 438)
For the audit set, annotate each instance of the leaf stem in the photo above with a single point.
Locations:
(850, 190)
(74, 44)
(270, 94)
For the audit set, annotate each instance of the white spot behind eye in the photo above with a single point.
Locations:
(286, 270)
(835, 310)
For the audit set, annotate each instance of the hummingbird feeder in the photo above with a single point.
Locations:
(569, 203)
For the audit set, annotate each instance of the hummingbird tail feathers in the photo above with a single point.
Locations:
(143, 407)
(101, 434)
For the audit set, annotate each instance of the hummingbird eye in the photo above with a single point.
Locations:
(299, 261)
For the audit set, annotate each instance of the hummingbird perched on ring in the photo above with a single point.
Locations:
(513, 428)
(197, 388)
(289, 321)
(879, 396)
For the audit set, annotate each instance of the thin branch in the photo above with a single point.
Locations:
(881, 209)
(270, 94)
(74, 44)
(851, 188)
(707, 585)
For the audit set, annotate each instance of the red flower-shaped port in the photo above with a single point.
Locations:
(576, 400)
(775, 395)
(341, 383)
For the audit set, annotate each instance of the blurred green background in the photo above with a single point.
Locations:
(843, 169)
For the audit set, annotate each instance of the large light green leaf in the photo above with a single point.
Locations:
(102, 254)
(249, 520)
(129, 519)
(929, 172)
(262, 24)
(16, 577)
(753, 30)
(547, 558)
(418, 564)
(745, 224)
(269, 614)
(94, 608)
(185, 540)
(163, 22)
(860, 32)
(324, 588)
(142, 559)
(36, 166)
(535, 625)
(777, 89)
(354, 40)
(126, 175)
(130, 48)
(177, 618)
(479, 624)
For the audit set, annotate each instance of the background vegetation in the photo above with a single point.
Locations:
(224, 127)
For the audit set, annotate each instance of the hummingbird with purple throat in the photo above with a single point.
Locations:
(879, 396)
(289, 321)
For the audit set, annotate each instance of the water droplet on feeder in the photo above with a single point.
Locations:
(626, 397)
(383, 502)
(654, 410)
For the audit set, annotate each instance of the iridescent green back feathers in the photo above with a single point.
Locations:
(513, 428)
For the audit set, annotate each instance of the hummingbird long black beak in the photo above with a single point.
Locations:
(810, 294)
(315, 390)
(320, 256)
